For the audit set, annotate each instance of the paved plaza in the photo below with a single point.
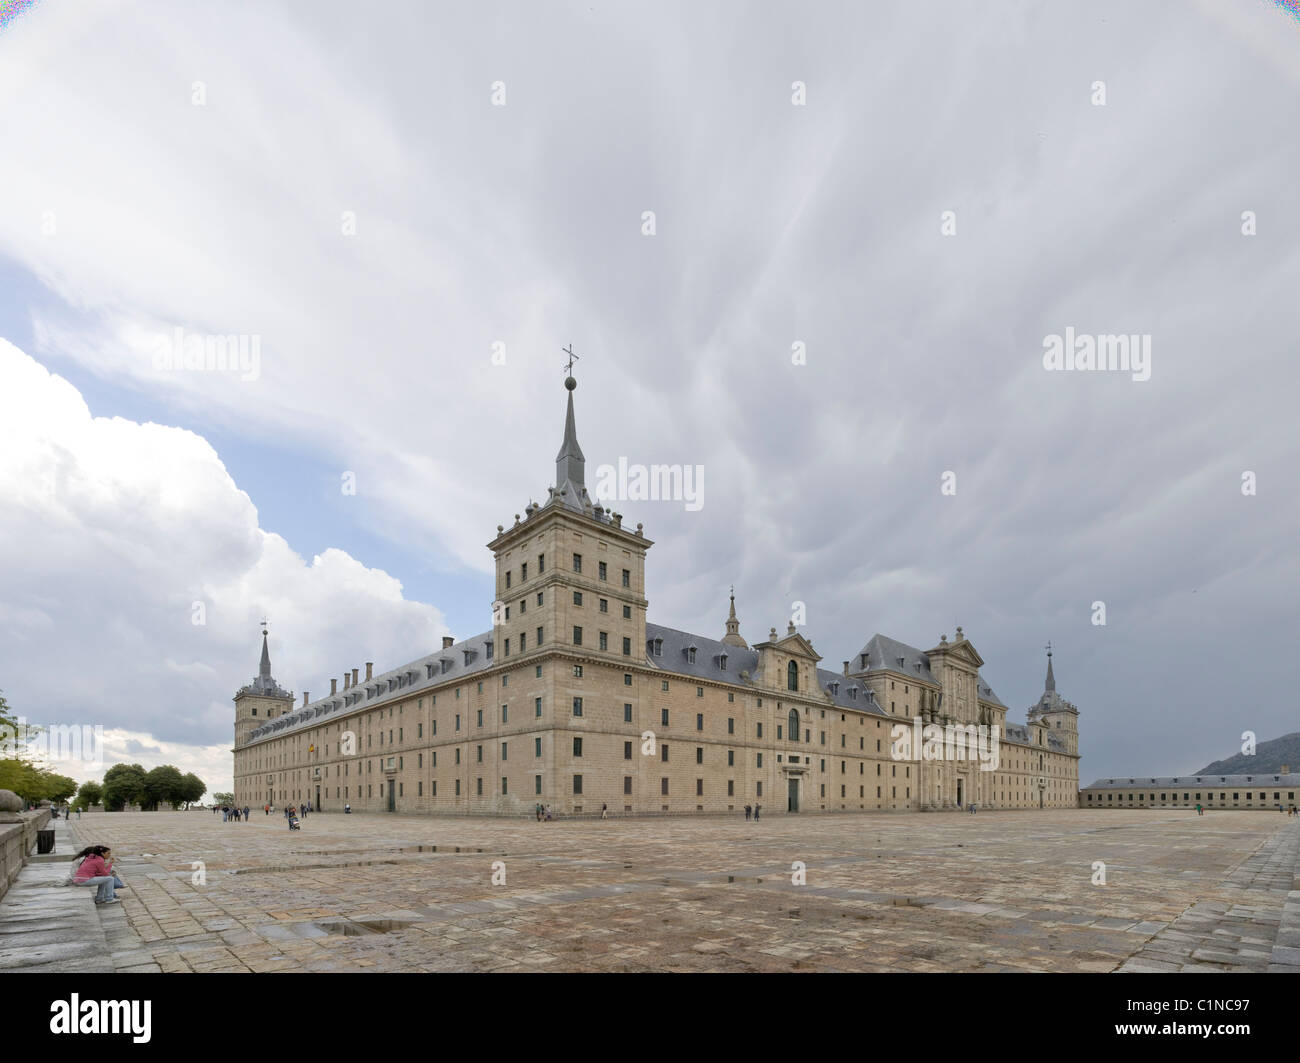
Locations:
(999, 891)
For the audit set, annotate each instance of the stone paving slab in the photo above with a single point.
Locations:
(1008, 891)
(48, 927)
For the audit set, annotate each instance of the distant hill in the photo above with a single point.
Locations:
(1269, 758)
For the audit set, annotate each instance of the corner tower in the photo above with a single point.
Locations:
(1059, 716)
(569, 577)
(260, 699)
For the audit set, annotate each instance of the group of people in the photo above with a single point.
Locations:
(94, 867)
(293, 813)
(543, 813)
(233, 815)
(755, 809)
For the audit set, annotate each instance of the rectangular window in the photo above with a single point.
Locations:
(627, 750)
(504, 787)
(480, 754)
(577, 747)
(479, 786)
(577, 636)
(760, 760)
(503, 751)
(541, 564)
(663, 787)
(537, 747)
(523, 571)
(577, 597)
(537, 707)
(627, 612)
(627, 713)
(577, 779)
(601, 572)
(457, 721)
(663, 752)
(523, 642)
(603, 639)
(505, 713)
(627, 784)
(507, 577)
(699, 721)
(699, 754)
(577, 567)
(760, 729)
(577, 706)
(537, 784)
(480, 717)
(731, 725)
(604, 605)
(663, 717)
(731, 758)
(627, 577)
(699, 787)
(627, 647)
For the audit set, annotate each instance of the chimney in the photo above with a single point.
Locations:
(354, 676)
(370, 670)
(305, 697)
(1286, 769)
(846, 667)
(447, 642)
(334, 687)
(345, 679)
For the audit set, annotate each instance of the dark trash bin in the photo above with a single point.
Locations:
(45, 841)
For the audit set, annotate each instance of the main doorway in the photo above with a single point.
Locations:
(793, 805)
(960, 793)
(392, 795)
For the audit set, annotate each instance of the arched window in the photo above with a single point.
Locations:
(792, 676)
(794, 725)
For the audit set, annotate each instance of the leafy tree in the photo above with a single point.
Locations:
(91, 793)
(164, 783)
(223, 799)
(57, 788)
(124, 785)
(192, 788)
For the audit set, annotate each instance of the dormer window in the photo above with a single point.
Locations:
(659, 647)
(446, 663)
(428, 671)
(853, 693)
(487, 650)
(722, 661)
(690, 654)
(835, 688)
(469, 655)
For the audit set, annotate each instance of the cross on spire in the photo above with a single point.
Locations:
(568, 366)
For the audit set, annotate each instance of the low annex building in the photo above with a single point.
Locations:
(1267, 790)
(574, 700)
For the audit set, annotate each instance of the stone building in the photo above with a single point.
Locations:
(575, 700)
(1266, 790)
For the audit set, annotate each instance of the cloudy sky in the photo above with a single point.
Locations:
(407, 209)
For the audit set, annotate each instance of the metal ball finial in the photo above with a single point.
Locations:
(570, 383)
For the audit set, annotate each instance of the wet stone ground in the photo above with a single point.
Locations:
(1000, 891)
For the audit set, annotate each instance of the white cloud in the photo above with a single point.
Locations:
(113, 531)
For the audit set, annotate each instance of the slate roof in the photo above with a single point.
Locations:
(884, 652)
(1215, 781)
(421, 674)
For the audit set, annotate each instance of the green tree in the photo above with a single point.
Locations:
(164, 783)
(223, 799)
(192, 788)
(123, 785)
(91, 793)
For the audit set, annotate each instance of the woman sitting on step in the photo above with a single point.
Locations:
(96, 869)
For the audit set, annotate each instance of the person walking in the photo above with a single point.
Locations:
(604, 811)
(757, 807)
(749, 811)
(245, 813)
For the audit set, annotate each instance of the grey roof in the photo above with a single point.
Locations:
(263, 685)
(458, 661)
(1216, 781)
(883, 652)
(1018, 734)
(845, 692)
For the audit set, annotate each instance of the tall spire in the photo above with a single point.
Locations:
(570, 465)
(264, 669)
(733, 637)
(1051, 679)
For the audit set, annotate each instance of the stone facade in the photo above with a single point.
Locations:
(576, 701)
(1266, 790)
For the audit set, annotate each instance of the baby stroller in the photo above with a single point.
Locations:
(293, 822)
